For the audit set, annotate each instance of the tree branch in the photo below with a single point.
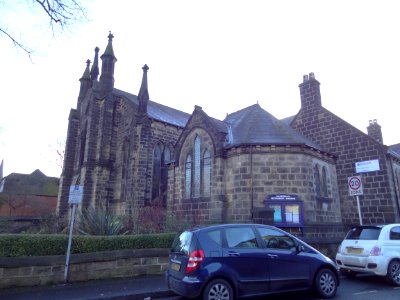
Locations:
(60, 13)
(16, 43)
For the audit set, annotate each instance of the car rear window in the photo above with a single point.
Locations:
(182, 242)
(364, 233)
(395, 233)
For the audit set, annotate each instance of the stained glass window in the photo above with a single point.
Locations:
(196, 170)
(156, 173)
(125, 149)
(317, 181)
(188, 176)
(207, 174)
(324, 183)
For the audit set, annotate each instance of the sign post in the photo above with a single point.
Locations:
(355, 189)
(75, 197)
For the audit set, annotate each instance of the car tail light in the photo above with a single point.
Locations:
(195, 258)
(375, 251)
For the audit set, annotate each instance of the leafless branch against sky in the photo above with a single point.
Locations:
(61, 14)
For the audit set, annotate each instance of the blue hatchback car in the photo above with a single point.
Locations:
(231, 261)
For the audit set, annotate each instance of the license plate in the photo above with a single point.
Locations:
(354, 250)
(175, 266)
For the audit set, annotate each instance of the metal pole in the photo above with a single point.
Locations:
(359, 210)
(69, 243)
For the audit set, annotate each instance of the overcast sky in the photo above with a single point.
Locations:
(220, 55)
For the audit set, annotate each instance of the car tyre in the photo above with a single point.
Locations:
(393, 273)
(218, 289)
(326, 283)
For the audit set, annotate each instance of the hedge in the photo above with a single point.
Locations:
(15, 245)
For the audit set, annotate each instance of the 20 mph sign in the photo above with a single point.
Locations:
(355, 185)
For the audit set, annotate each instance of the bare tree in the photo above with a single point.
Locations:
(59, 150)
(60, 14)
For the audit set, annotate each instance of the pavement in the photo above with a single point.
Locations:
(141, 287)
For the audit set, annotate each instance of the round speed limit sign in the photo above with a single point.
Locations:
(355, 185)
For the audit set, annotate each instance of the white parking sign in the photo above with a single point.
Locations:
(355, 185)
(75, 194)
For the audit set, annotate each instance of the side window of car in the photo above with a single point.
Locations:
(241, 237)
(395, 233)
(275, 239)
(215, 236)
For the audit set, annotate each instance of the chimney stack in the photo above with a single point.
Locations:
(309, 92)
(374, 131)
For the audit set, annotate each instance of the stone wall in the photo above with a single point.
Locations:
(255, 173)
(379, 204)
(47, 270)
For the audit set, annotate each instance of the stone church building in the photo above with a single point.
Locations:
(129, 152)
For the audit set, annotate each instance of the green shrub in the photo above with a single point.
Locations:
(41, 245)
(99, 221)
(32, 244)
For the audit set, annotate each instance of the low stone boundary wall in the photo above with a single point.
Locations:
(47, 270)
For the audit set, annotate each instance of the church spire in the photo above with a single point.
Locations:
(86, 73)
(94, 72)
(107, 66)
(143, 92)
(85, 83)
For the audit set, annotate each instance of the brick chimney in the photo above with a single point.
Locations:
(309, 92)
(374, 131)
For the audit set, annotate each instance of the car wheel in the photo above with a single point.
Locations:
(218, 289)
(326, 283)
(393, 273)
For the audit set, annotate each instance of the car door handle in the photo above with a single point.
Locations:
(233, 253)
(273, 256)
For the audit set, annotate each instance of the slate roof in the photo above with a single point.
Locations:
(395, 150)
(249, 126)
(35, 183)
(158, 111)
(255, 126)
(288, 120)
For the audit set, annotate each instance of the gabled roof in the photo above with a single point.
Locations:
(158, 111)
(35, 183)
(253, 125)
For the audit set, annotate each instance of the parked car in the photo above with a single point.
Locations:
(240, 260)
(372, 249)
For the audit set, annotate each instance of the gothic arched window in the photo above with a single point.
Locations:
(398, 181)
(124, 175)
(197, 167)
(155, 193)
(324, 183)
(206, 173)
(317, 181)
(166, 158)
(198, 171)
(82, 146)
(188, 176)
